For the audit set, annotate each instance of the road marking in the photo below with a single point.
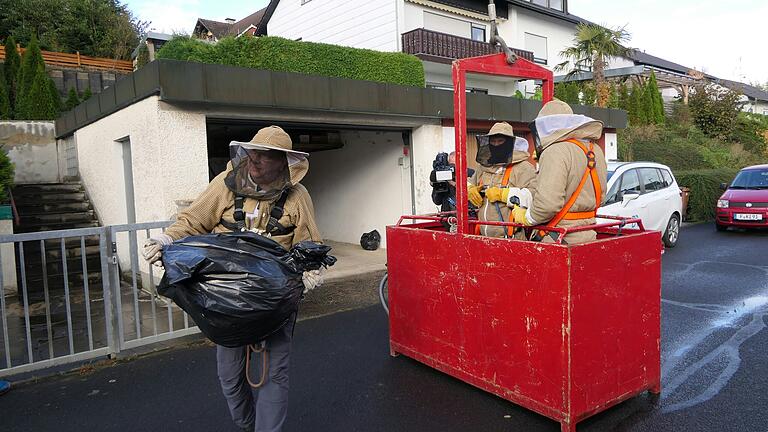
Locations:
(727, 316)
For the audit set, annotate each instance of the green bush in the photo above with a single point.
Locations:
(278, 54)
(7, 171)
(705, 190)
(749, 131)
(568, 92)
(588, 94)
(11, 69)
(36, 94)
(41, 101)
(5, 101)
(72, 100)
(30, 63)
(715, 110)
(654, 104)
(143, 56)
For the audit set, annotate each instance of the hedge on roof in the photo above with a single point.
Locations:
(278, 54)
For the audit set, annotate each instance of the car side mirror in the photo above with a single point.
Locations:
(723, 186)
(627, 197)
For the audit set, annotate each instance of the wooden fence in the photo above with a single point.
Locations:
(80, 61)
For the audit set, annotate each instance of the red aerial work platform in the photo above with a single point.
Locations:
(564, 330)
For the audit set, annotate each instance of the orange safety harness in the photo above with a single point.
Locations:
(566, 213)
(504, 182)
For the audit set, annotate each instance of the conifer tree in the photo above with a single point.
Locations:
(11, 69)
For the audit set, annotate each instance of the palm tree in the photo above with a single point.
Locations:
(592, 46)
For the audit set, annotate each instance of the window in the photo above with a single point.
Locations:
(668, 180)
(630, 183)
(651, 179)
(751, 179)
(611, 196)
(537, 45)
(478, 33)
(552, 4)
(448, 87)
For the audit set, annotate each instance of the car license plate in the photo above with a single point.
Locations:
(748, 217)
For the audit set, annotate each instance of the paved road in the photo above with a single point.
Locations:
(715, 349)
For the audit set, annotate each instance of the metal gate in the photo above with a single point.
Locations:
(73, 295)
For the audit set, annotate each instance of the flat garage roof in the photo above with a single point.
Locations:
(218, 86)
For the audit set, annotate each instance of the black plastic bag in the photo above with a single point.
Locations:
(238, 288)
(370, 240)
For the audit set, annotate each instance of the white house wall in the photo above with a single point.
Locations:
(559, 33)
(169, 160)
(439, 74)
(611, 146)
(363, 186)
(370, 24)
(757, 107)
(428, 141)
(415, 19)
(31, 146)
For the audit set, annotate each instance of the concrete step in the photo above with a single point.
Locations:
(42, 208)
(44, 218)
(49, 197)
(38, 188)
(79, 216)
(32, 252)
(53, 226)
(55, 266)
(32, 248)
(36, 290)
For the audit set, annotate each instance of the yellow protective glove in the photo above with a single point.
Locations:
(497, 194)
(518, 215)
(473, 192)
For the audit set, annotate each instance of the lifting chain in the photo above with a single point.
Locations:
(496, 39)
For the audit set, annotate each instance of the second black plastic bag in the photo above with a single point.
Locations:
(238, 288)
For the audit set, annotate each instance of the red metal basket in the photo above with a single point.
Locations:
(564, 330)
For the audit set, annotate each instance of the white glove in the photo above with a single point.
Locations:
(153, 248)
(312, 279)
(523, 195)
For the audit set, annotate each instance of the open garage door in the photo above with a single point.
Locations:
(359, 179)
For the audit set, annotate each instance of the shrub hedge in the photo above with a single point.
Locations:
(705, 190)
(278, 54)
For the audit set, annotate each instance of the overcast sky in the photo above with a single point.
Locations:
(726, 38)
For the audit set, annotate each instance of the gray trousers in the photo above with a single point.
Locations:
(263, 409)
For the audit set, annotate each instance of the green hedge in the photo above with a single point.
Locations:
(278, 54)
(705, 190)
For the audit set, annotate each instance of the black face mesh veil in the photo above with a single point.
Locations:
(489, 155)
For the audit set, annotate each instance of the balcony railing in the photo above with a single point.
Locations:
(444, 48)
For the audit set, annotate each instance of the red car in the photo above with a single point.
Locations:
(745, 201)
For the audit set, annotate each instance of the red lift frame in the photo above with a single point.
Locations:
(494, 64)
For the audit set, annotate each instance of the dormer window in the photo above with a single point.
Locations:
(558, 5)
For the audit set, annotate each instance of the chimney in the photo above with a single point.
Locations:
(229, 20)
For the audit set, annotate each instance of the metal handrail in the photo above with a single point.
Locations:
(618, 222)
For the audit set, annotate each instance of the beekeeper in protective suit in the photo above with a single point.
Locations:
(259, 191)
(570, 186)
(503, 168)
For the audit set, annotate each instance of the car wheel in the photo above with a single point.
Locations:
(720, 228)
(672, 232)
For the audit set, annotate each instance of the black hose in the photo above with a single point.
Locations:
(382, 287)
